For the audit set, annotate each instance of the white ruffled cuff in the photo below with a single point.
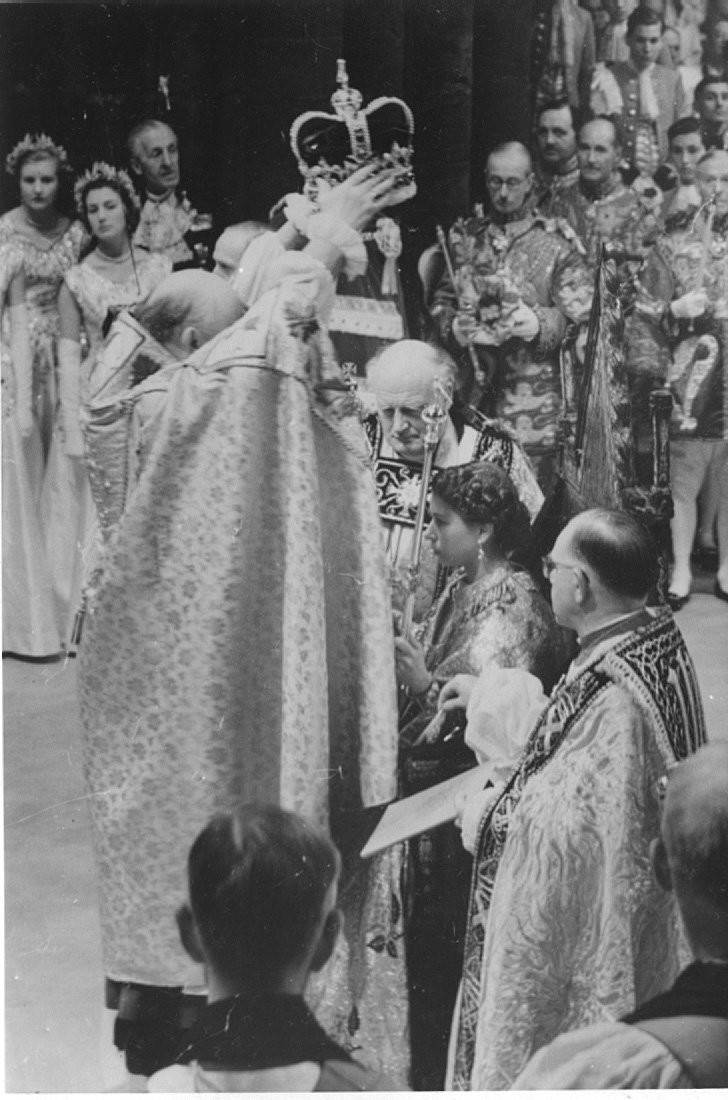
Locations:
(332, 230)
(298, 210)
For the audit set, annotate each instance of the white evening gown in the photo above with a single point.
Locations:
(29, 626)
(67, 508)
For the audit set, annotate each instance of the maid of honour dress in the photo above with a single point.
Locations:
(29, 623)
(67, 508)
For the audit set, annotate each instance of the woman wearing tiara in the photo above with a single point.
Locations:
(38, 243)
(49, 243)
(113, 275)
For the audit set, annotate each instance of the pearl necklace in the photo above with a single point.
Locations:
(113, 259)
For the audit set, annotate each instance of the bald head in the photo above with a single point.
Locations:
(232, 243)
(617, 549)
(515, 151)
(187, 309)
(695, 825)
(405, 372)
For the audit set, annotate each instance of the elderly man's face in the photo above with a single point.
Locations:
(404, 428)
(403, 386)
(712, 180)
(555, 136)
(598, 155)
(157, 159)
(713, 103)
(509, 180)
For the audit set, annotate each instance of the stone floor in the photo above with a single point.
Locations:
(57, 1034)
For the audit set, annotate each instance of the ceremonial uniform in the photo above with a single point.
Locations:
(170, 224)
(550, 186)
(669, 104)
(618, 216)
(399, 482)
(689, 356)
(567, 925)
(540, 260)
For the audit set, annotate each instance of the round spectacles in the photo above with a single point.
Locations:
(495, 183)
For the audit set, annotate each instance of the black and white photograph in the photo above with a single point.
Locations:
(364, 545)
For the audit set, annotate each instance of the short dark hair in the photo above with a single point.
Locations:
(720, 78)
(481, 492)
(683, 126)
(258, 878)
(556, 105)
(644, 17)
(619, 549)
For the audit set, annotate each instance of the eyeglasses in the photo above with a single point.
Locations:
(495, 183)
(548, 565)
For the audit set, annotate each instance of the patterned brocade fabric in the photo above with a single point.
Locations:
(688, 355)
(620, 217)
(95, 294)
(44, 270)
(542, 258)
(239, 647)
(502, 620)
(593, 934)
(398, 485)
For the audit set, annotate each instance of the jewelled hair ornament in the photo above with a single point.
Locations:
(36, 143)
(100, 174)
(329, 147)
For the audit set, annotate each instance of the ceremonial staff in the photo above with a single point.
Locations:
(463, 305)
(434, 416)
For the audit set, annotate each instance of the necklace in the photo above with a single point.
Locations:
(113, 259)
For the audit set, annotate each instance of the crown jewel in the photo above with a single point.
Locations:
(100, 173)
(329, 147)
(36, 143)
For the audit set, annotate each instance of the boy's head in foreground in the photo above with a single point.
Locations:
(262, 901)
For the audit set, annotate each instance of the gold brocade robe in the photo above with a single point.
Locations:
(239, 648)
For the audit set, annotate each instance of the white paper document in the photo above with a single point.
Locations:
(425, 810)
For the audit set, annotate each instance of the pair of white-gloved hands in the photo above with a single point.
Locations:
(501, 706)
(521, 324)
